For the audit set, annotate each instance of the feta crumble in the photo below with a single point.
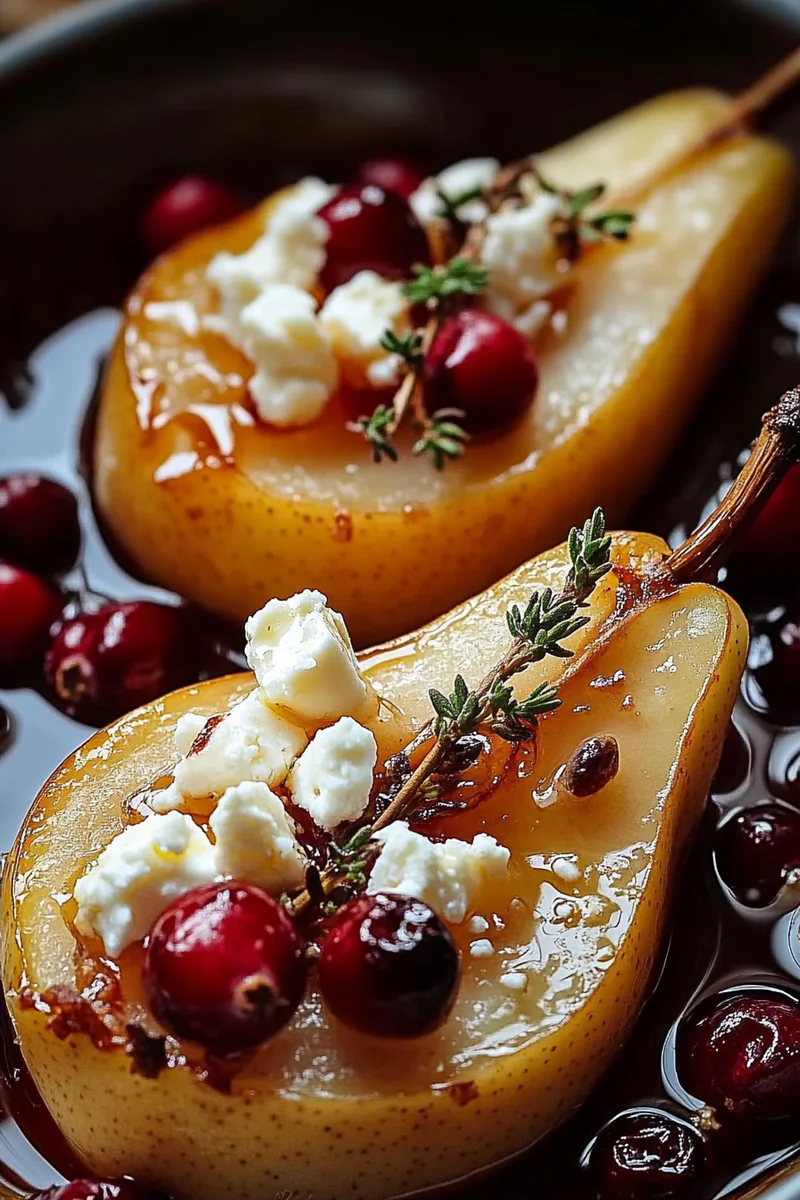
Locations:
(515, 981)
(332, 778)
(295, 370)
(138, 875)
(446, 875)
(187, 729)
(250, 743)
(481, 948)
(454, 181)
(355, 317)
(303, 658)
(291, 251)
(255, 839)
(521, 255)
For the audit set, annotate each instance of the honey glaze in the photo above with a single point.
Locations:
(713, 945)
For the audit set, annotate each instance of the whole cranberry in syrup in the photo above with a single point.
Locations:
(762, 548)
(756, 849)
(646, 1155)
(103, 664)
(225, 966)
(185, 207)
(779, 678)
(39, 527)
(28, 608)
(483, 366)
(392, 174)
(389, 967)
(370, 229)
(98, 1189)
(740, 1054)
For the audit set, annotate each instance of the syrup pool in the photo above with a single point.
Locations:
(714, 944)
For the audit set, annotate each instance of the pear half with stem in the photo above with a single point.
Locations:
(575, 928)
(227, 511)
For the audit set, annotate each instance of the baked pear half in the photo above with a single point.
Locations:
(226, 508)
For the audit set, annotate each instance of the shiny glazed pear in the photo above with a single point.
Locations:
(324, 1110)
(228, 513)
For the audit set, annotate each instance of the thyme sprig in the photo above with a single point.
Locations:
(441, 437)
(548, 619)
(458, 277)
(450, 206)
(575, 227)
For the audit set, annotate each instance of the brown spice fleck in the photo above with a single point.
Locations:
(462, 1093)
(147, 1052)
(342, 526)
(593, 765)
(69, 1013)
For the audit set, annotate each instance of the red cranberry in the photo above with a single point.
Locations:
(389, 967)
(756, 849)
(185, 207)
(392, 174)
(370, 229)
(98, 1189)
(778, 678)
(225, 966)
(103, 664)
(762, 546)
(39, 527)
(646, 1155)
(741, 1055)
(483, 366)
(28, 608)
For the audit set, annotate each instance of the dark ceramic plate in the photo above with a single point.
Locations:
(101, 106)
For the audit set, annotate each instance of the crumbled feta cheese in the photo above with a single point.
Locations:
(332, 778)
(566, 869)
(515, 981)
(478, 924)
(302, 656)
(356, 316)
(454, 181)
(291, 251)
(138, 875)
(482, 948)
(187, 728)
(446, 875)
(520, 253)
(250, 743)
(255, 839)
(295, 368)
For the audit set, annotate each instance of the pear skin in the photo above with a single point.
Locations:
(326, 1111)
(227, 513)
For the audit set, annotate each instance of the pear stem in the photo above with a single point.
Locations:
(776, 449)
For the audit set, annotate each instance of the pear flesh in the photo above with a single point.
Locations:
(321, 1109)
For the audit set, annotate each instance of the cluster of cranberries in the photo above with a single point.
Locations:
(479, 364)
(226, 966)
(96, 664)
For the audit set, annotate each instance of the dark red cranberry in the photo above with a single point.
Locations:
(389, 967)
(392, 174)
(185, 207)
(756, 849)
(370, 229)
(762, 546)
(646, 1155)
(39, 527)
(28, 608)
(225, 966)
(98, 1189)
(778, 678)
(483, 366)
(741, 1054)
(103, 664)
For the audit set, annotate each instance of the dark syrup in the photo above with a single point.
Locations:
(43, 424)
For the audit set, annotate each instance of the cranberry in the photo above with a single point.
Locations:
(389, 966)
(734, 763)
(392, 174)
(185, 207)
(778, 678)
(102, 664)
(97, 1189)
(756, 849)
(762, 546)
(646, 1155)
(225, 966)
(39, 527)
(370, 229)
(741, 1054)
(28, 608)
(483, 366)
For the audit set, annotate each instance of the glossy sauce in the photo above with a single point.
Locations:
(712, 944)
